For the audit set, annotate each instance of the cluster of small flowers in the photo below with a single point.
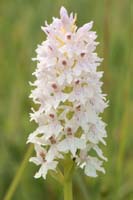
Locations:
(68, 91)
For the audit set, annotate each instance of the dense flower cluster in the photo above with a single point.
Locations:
(68, 92)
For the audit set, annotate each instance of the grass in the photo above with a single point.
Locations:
(20, 22)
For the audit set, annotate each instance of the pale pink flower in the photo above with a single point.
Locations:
(68, 92)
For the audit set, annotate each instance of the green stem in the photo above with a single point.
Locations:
(68, 190)
(68, 172)
(18, 175)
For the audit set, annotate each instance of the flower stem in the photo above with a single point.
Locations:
(68, 172)
(68, 190)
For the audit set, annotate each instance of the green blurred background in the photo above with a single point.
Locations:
(20, 32)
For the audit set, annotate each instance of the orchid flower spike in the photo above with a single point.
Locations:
(68, 92)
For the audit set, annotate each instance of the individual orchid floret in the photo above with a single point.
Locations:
(69, 98)
(41, 159)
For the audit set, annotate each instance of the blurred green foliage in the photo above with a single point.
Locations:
(20, 22)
